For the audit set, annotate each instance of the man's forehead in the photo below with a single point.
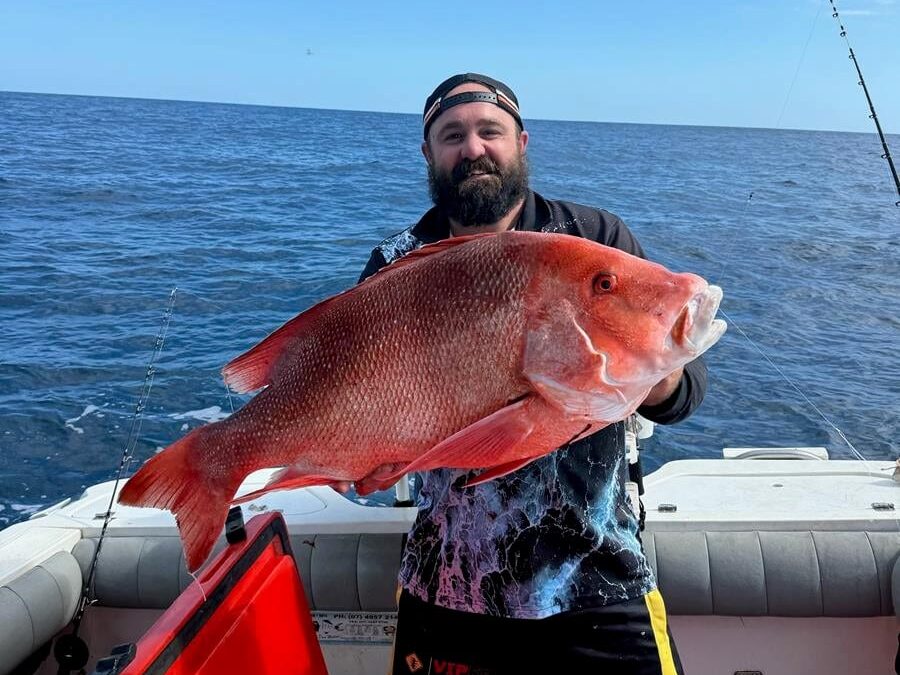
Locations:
(464, 118)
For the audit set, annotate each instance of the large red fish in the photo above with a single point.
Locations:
(485, 351)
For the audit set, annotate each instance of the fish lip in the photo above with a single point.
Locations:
(696, 329)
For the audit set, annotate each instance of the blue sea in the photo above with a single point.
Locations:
(255, 213)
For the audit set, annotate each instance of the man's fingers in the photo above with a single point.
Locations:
(342, 486)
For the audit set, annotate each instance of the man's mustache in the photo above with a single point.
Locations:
(469, 166)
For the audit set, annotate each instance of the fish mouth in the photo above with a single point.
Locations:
(696, 330)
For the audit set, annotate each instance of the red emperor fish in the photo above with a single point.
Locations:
(477, 352)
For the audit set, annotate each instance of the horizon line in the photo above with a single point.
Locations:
(393, 112)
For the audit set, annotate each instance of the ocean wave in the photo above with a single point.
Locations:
(213, 413)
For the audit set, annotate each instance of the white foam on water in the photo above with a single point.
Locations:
(87, 411)
(26, 509)
(184, 427)
(212, 414)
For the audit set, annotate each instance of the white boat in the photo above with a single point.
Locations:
(773, 561)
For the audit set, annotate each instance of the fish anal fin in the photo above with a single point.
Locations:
(498, 471)
(288, 478)
(381, 478)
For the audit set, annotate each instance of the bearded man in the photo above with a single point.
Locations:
(540, 570)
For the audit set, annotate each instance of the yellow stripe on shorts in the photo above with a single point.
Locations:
(657, 609)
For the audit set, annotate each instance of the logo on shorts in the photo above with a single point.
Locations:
(414, 663)
(450, 668)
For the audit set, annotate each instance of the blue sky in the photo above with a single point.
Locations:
(711, 62)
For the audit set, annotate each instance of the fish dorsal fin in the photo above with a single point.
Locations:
(254, 368)
(431, 249)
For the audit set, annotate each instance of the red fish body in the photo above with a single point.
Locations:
(476, 352)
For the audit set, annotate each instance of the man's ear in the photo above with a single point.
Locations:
(523, 141)
(426, 151)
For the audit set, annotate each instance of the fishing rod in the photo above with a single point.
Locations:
(887, 153)
(886, 156)
(70, 651)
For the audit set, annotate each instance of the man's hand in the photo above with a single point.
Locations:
(664, 388)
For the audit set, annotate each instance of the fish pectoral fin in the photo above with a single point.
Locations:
(288, 478)
(483, 443)
(498, 471)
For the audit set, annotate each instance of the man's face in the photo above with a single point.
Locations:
(477, 169)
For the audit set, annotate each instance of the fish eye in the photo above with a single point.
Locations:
(604, 282)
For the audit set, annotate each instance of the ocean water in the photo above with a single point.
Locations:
(255, 213)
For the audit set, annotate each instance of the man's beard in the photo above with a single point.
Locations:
(480, 201)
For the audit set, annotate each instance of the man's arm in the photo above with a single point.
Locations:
(686, 397)
(376, 262)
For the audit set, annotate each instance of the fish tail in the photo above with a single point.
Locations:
(175, 480)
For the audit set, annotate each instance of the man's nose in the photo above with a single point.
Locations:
(472, 147)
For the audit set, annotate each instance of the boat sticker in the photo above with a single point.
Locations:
(355, 626)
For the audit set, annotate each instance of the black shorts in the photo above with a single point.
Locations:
(628, 638)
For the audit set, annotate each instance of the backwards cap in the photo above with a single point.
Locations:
(499, 94)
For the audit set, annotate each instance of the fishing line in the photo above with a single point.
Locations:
(796, 388)
(224, 309)
(740, 228)
(799, 64)
(228, 395)
(872, 115)
(68, 650)
(871, 471)
(827, 420)
(725, 256)
(199, 585)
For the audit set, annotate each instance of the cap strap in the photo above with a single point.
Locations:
(497, 98)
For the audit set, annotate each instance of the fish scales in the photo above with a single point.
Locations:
(348, 368)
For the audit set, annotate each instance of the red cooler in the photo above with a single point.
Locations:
(254, 618)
